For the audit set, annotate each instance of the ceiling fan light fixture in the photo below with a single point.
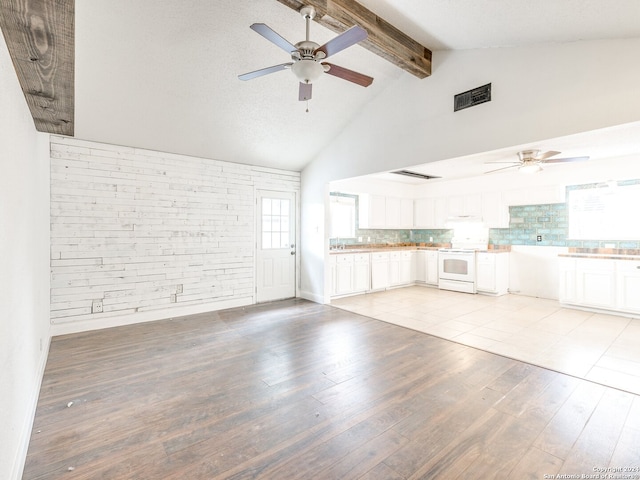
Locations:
(530, 168)
(307, 71)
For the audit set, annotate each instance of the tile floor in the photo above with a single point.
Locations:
(594, 346)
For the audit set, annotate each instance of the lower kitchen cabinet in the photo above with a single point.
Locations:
(598, 283)
(379, 270)
(350, 273)
(426, 265)
(628, 285)
(492, 273)
(401, 268)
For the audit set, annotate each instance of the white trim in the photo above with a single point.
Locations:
(148, 316)
(25, 433)
(311, 296)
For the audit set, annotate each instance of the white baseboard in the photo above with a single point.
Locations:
(25, 433)
(311, 296)
(147, 316)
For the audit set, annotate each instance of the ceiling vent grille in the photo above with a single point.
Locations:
(409, 173)
(472, 97)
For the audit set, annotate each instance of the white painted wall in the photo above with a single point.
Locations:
(24, 268)
(537, 93)
(129, 225)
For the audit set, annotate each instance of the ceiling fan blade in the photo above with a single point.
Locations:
(350, 37)
(264, 71)
(273, 37)
(503, 168)
(304, 93)
(515, 163)
(349, 75)
(546, 155)
(567, 160)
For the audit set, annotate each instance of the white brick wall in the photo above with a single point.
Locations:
(130, 225)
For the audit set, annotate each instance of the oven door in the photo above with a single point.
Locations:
(457, 265)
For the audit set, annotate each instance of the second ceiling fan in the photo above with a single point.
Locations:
(307, 56)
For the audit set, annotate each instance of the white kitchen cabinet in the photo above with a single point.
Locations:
(372, 211)
(495, 212)
(432, 267)
(465, 205)
(539, 195)
(426, 266)
(407, 267)
(350, 273)
(401, 268)
(492, 273)
(361, 272)
(595, 283)
(628, 285)
(378, 211)
(430, 213)
(332, 275)
(567, 284)
(379, 270)
(344, 274)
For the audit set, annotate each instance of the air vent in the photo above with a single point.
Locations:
(409, 173)
(472, 97)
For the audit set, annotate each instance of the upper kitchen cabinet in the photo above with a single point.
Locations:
(540, 195)
(465, 205)
(430, 212)
(495, 212)
(378, 211)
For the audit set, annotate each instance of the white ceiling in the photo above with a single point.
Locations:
(162, 74)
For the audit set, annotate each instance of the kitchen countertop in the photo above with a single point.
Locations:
(603, 253)
(393, 248)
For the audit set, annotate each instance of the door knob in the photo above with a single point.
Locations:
(293, 252)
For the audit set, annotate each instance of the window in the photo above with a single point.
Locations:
(275, 223)
(606, 211)
(343, 215)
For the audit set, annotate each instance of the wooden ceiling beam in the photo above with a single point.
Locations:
(384, 39)
(40, 36)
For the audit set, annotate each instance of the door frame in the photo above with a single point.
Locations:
(257, 194)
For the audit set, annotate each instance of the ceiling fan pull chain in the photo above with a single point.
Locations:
(307, 106)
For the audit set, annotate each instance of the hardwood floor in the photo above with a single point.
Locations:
(297, 390)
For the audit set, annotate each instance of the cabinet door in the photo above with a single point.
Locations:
(406, 270)
(379, 271)
(406, 213)
(595, 283)
(495, 213)
(361, 273)
(394, 268)
(628, 285)
(392, 212)
(567, 271)
(432, 267)
(421, 266)
(424, 213)
(344, 274)
(371, 211)
(486, 272)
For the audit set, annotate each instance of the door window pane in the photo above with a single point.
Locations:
(275, 223)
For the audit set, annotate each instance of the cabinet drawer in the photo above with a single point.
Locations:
(341, 259)
(361, 257)
(380, 256)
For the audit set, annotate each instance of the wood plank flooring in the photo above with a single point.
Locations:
(297, 390)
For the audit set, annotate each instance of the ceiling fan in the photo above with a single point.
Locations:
(307, 56)
(531, 161)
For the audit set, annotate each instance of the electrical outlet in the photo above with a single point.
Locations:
(96, 306)
(179, 288)
(174, 298)
(539, 238)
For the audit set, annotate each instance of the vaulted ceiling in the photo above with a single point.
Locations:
(164, 75)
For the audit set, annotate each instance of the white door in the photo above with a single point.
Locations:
(276, 254)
